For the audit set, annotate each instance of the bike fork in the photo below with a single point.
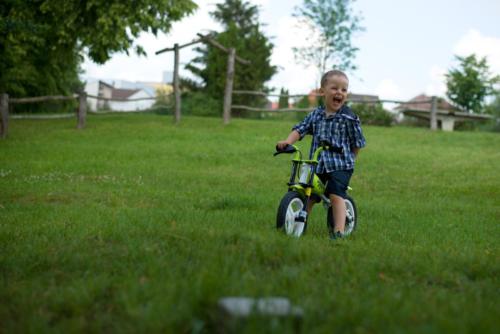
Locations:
(301, 218)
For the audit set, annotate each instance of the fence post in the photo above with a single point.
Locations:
(434, 113)
(4, 111)
(177, 90)
(229, 86)
(82, 109)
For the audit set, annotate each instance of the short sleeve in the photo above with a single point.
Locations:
(356, 137)
(306, 126)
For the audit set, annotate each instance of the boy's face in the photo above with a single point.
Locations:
(335, 92)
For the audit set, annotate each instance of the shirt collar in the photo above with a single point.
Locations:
(344, 111)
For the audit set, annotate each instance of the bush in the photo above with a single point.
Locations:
(373, 114)
(200, 104)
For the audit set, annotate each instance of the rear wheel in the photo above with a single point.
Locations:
(288, 218)
(351, 220)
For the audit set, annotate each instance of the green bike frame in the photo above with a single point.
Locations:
(303, 178)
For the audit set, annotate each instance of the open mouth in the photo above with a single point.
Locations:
(338, 99)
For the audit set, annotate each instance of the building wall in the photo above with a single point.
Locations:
(92, 88)
(106, 92)
(133, 105)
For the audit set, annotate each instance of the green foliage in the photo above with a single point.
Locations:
(303, 102)
(33, 61)
(372, 114)
(283, 100)
(241, 30)
(470, 83)
(42, 42)
(136, 225)
(331, 25)
(199, 103)
(164, 96)
(494, 109)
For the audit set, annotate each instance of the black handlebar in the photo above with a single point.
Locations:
(287, 149)
(325, 144)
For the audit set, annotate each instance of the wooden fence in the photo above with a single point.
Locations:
(81, 112)
(5, 101)
(231, 59)
(433, 101)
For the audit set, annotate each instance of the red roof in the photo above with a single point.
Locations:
(120, 93)
(422, 102)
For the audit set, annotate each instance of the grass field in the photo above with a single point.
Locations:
(137, 225)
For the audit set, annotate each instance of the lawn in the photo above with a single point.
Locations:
(137, 225)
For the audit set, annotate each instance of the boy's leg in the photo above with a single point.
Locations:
(337, 187)
(339, 212)
(310, 204)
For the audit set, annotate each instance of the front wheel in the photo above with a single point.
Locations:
(351, 219)
(289, 214)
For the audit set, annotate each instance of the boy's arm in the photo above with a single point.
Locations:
(292, 138)
(356, 151)
(356, 138)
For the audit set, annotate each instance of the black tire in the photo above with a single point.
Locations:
(291, 201)
(351, 224)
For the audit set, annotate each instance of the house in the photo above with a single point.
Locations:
(122, 95)
(126, 99)
(98, 88)
(420, 107)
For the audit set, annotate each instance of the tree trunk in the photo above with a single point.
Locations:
(229, 86)
(177, 89)
(82, 110)
(434, 113)
(4, 115)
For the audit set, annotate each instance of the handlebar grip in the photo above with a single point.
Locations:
(287, 149)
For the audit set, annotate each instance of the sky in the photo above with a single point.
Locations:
(405, 50)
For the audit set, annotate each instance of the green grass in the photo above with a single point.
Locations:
(137, 225)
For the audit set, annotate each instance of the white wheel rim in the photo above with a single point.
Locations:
(350, 217)
(292, 211)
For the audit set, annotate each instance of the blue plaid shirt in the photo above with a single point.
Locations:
(342, 129)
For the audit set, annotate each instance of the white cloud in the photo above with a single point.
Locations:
(437, 85)
(297, 79)
(482, 46)
(388, 89)
(473, 42)
(260, 2)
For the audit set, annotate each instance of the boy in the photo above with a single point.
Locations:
(336, 123)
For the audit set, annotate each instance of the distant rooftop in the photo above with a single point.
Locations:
(422, 103)
(121, 93)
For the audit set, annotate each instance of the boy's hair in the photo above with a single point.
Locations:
(328, 74)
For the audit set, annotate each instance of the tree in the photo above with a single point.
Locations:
(241, 30)
(331, 24)
(493, 108)
(42, 42)
(470, 83)
(283, 100)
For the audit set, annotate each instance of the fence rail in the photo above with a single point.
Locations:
(42, 99)
(432, 102)
(120, 100)
(53, 116)
(357, 100)
(242, 107)
(6, 102)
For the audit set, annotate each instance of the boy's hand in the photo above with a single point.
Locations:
(282, 144)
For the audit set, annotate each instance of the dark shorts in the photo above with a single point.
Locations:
(336, 182)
